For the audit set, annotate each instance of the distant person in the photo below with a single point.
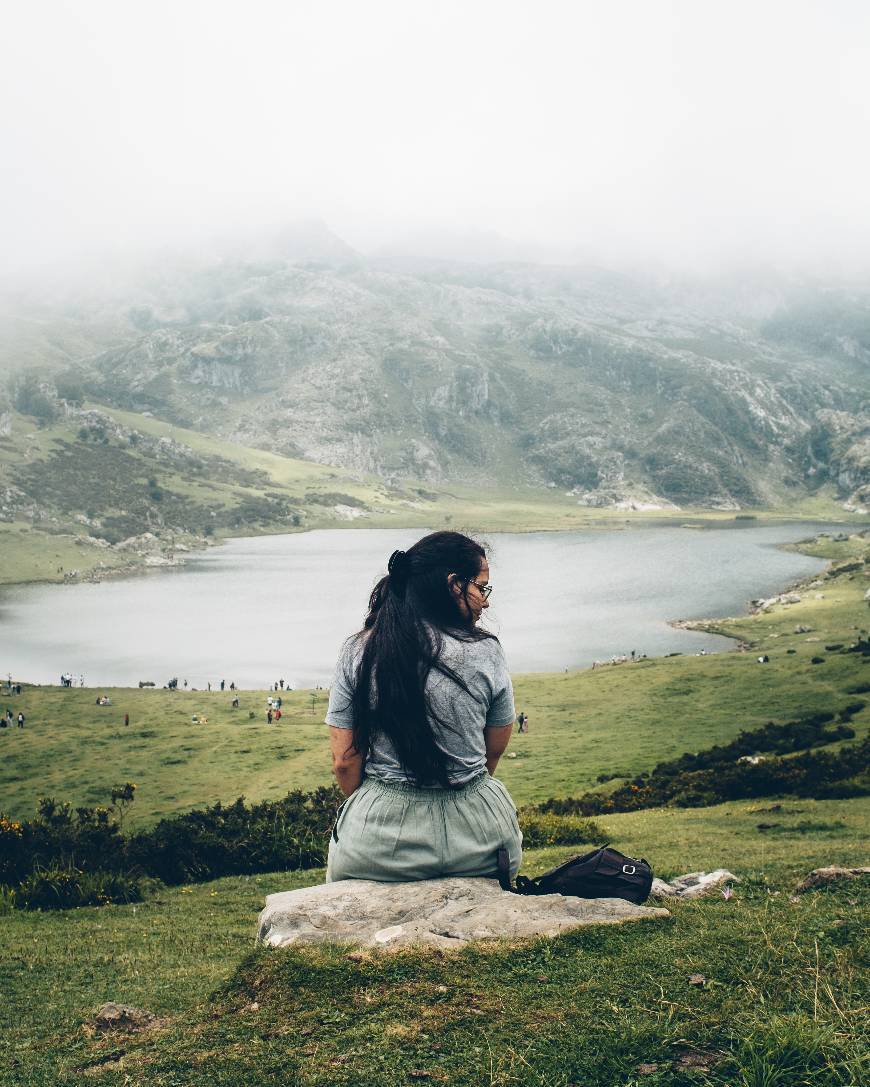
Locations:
(235, 703)
(521, 721)
(223, 684)
(232, 686)
(209, 684)
(185, 685)
(20, 719)
(421, 711)
(277, 715)
(281, 683)
(126, 719)
(269, 716)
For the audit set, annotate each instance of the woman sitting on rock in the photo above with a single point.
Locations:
(421, 710)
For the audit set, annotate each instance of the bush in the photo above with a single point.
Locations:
(31, 399)
(63, 888)
(62, 858)
(546, 829)
(817, 774)
(222, 840)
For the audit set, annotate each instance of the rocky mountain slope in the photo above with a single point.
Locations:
(621, 390)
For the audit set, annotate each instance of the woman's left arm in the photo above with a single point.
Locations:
(347, 762)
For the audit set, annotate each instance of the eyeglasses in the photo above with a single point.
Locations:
(484, 590)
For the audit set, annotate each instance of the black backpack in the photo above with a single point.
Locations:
(602, 873)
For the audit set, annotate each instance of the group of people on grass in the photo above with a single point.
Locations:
(7, 719)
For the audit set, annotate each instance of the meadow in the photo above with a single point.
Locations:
(782, 1002)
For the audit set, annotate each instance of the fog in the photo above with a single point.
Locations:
(678, 133)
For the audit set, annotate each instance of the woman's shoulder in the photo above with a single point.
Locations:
(485, 652)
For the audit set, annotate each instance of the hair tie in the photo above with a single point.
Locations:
(398, 564)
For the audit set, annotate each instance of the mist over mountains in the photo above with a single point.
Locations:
(621, 389)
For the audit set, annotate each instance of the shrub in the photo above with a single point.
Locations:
(31, 399)
(63, 888)
(279, 835)
(818, 774)
(62, 859)
(546, 829)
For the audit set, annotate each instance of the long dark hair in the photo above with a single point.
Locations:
(409, 612)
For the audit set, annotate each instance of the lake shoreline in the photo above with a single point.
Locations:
(138, 566)
(709, 625)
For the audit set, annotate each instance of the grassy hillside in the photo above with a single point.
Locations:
(780, 1007)
(618, 719)
(79, 492)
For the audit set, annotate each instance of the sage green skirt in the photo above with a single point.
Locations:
(396, 832)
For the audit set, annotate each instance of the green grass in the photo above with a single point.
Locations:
(586, 1008)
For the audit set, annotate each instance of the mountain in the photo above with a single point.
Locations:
(621, 389)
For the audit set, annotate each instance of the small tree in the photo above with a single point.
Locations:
(122, 797)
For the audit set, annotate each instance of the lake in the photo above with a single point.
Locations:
(260, 609)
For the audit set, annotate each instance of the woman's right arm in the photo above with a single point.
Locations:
(347, 762)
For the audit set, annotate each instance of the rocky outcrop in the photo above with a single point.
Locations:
(446, 913)
(503, 373)
(694, 884)
(821, 877)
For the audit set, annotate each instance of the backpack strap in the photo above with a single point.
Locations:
(504, 871)
(524, 886)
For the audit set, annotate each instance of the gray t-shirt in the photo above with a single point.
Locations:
(490, 704)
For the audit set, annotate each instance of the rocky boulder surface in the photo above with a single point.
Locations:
(693, 884)
(821, 877)
(446, 913)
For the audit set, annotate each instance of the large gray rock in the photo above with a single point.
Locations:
(443, 912)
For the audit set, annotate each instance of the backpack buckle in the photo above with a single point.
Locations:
(629, 869)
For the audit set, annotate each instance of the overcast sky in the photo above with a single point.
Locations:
(695, 133)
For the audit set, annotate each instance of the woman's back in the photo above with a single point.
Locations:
(460, 714)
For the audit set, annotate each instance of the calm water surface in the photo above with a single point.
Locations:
(256, 610)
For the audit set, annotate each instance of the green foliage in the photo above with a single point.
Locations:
(220, 840)
(586, 1008)
(724, 773)
(72, 859)
(30, 398)
(69, 386)
(65, 888)
(542, 830)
